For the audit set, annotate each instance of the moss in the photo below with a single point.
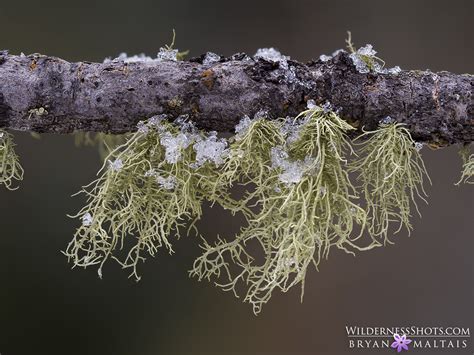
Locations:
(10, 168)
(392, 173)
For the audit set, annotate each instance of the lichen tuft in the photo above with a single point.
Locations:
(10, 168)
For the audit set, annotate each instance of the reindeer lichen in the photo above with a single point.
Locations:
(10, 168)
(392, 173)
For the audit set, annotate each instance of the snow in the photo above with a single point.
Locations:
(311, 104)
(168, 183)
(325, 58)
(387, 120)
(87, 219)
(327, 107)
(367, 51)
(271, 55)
(167, 54)
(123, 57)
(292, 171)
(143, 127)
(360, 65)
(163, 54)
(261, 114)
(336, 52)
(395, 70)
(288, 72)
(418, 146)
(150, 173)
(174, 145)
(210, 149)
(242, 127)
(155, 121)
(211, 58)
(116, 165)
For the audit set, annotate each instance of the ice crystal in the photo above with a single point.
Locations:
(324, 58)
(116, 165)
(87, 219)
(211, 149)
(168, 183)
(395, 70)
(311, 104)
(174, 145)
(336, 52)
(272, 55)
(211, 58)
(242, 127)
(327, 107)
(123, 57)
(387, 120)
(292, 171)
(288, 72)
(167, 54)
(418, 146)
(360, 65)
(150, 173)
(367, 50)
(142, 127)
(156, 121)
(261, 114)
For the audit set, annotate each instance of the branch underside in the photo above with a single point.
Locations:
(49, 95)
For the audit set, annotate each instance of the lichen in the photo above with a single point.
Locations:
(392, 173)
(365, 59)
(139, 201)
(467, 175)
(10, 168)
(166, 53)
(298, 221)
(299, 202)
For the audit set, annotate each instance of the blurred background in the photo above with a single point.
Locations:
(426, 279)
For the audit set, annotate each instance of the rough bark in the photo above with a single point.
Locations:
(112, 97)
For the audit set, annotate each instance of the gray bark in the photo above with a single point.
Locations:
(47, 94)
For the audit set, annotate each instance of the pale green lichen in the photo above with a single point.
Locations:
(299, 202)
(300, 216)
(10, 168)
(467, 175)
(139, 201)
(392, 173)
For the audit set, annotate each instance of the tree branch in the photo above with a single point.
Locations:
(47, 94)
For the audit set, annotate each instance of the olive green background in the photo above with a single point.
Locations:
(47, 308)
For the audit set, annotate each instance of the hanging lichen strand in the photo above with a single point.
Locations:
(304, 199)
(147, 190)
(10, 168)
(299, 201)
(391, 171)
(467, 175)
